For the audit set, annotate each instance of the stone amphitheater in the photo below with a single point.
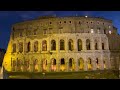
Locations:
(63, 44)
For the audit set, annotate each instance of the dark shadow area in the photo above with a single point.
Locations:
(2, 53)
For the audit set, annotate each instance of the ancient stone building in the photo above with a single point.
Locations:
(66, 44)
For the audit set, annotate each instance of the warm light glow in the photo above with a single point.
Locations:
(7, 58)
(86, 16)
(53, 67)
(62, 67)
(92, 31)
(89, 66)
(110, 32)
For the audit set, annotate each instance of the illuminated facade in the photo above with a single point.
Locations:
(59, 44)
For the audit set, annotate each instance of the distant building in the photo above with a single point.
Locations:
(63, 44)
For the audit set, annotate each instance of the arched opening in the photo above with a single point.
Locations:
(14, 48)
(62, 44)
(35, 64)
(104, 31)
(18, 65)
(96, 45)
(26, 65)
(88, 44)
(28, 46)
(21, 47)
(44, 45)
(97, 64)
(104, 63)
(62, 66)
(103, 47)
(79, 42)
(44, 64)
(35, 46)
(89, 65)
(53, 45)
(71, 64)
(14, 65)
(70, 45)
(81, 64)
(53, 65)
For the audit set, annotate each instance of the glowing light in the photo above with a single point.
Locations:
(92, 31)
(86, 16)
(110, 32)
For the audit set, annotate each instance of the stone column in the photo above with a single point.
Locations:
(76, 65)
(41, 66)
(94, 64)
(100, 44)
(85, 64)
(117, 63)
(58, 45)
(66, 45)
(49, 67)
(112, 63)
(75, 45)
(84, 44)
(58, 65)
(108, 62)
(48, 44)
(31, 65)
(107, 45)
(67, 66)
(24, 48)
(92, 43)
(17, 46)
(101, 63)
(39, 48)
(32, 46)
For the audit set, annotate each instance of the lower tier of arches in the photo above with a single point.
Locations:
(61, 65)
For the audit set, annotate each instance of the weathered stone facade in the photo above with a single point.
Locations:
(60, 44)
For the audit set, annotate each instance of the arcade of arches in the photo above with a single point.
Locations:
(59, 65)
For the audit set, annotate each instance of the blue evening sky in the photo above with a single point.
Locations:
(7, 18)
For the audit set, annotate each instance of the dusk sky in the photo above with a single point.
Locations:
(8, 18)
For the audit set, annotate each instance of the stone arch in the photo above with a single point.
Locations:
(44, 45)
(53, 64)
(71, 64)
(97, 64)
(105, 63)
(79, 44)
(26, 65)
(62, 44)
(62, 64)
(14, 64)
(14, 48)
(70, 45)
(53, 45)
(96, 45)
(44, 65)
(89, 64)
(103, 46)
(35, 46)
(28, 46)
(81, 64)
(88, 44)
(35, 65)
(19, 64)
(20, 47)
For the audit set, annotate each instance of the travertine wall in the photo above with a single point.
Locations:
(66, 28)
